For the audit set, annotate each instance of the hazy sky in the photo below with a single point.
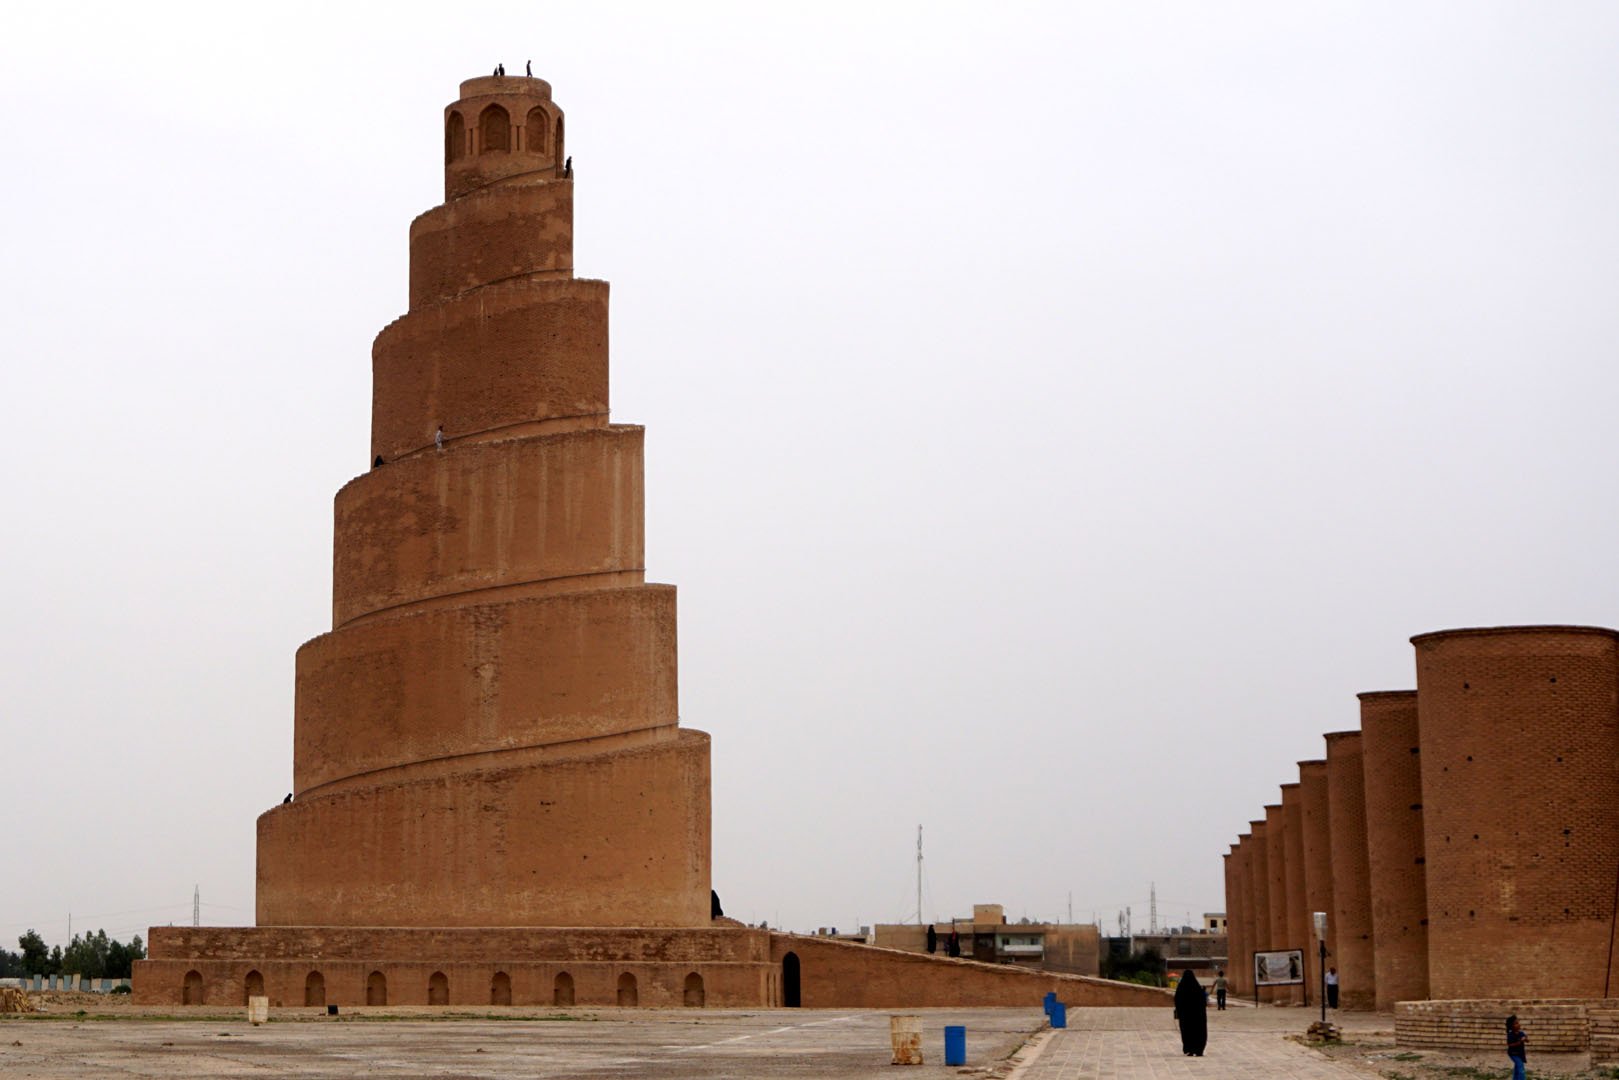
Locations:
(1055, 413)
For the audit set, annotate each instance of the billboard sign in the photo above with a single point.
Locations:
(1283, 967)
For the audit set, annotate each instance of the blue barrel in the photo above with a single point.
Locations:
(1059, 1015)
(955, 1044)
(1050, 1000)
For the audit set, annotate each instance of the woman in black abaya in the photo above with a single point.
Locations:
(1192, 1012)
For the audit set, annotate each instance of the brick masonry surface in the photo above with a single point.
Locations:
(1467, 839)
(1553, 1025)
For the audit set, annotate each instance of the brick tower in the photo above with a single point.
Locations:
(1392, 763)
(1519, 733)
(497, 696)
(1351, 877)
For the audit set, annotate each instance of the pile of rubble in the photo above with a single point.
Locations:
(13, 1000)
(1323, 1031)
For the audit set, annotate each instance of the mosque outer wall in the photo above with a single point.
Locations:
(1392, 763)
(842, 975)
(1520, 734)
(1471, 828)
(739, 967)
(1351, 883)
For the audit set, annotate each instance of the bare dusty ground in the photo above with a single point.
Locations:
(77, 1035)
(120, 1040)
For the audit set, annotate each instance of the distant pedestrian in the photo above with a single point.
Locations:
(377, 464)
(438, 437)
(933, 940)
(714, 909)
(1332, 988)
(567, 168)
(1517, 1047)
(529, 65)
(1219, 989)
(1192, 1013)
(287, 800)
(952, 945)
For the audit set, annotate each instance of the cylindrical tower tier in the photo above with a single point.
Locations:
(441, 684)
(1316, 835)
(613, 839)
(495, 235)
(1351, 877)
(1298, 919)
(560, 511)
(1392, 763)
(507, 359)
(1519, 732)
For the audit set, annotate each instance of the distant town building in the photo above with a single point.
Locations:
(1069, 948)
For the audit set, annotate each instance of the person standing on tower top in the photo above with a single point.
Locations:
(438, 438)
(528, 65)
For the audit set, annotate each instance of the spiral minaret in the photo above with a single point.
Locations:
(489, 736)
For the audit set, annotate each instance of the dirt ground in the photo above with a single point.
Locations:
(75, 1034)
(1373, 1047)
(74, 1037)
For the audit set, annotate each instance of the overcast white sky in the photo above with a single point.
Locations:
(1056, 413)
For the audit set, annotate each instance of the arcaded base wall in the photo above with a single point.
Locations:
(435, 684)
(840, 975)
(345, 966)
(478, 966)
(617, 839)
(1554, 1025)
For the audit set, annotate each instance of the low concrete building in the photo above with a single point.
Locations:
(1070, 948)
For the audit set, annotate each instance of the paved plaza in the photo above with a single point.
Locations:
(1129, 1044)
(1138, 1044)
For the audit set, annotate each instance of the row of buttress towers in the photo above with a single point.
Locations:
(1464, 842)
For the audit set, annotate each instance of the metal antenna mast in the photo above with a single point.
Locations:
(1152, 911)
(196, 905)
(919, 875)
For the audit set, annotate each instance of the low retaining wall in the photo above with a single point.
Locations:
(1554, 1025)
(64, 982)
(836, 974)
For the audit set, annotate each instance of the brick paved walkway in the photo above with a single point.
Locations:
(1142, 1044)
